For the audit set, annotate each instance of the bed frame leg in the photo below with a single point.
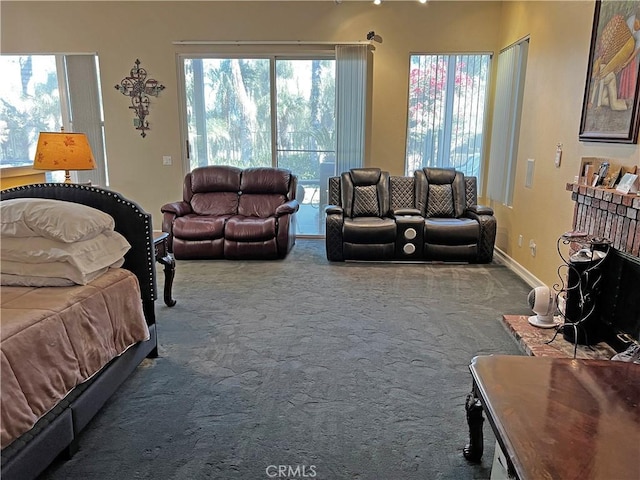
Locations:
(70, 450)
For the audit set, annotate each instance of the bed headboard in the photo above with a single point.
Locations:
(130, 221)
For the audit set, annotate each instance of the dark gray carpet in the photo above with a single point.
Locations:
(354, 371)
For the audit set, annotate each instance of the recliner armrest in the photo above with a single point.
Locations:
(406, 211)
(333, 210)
(480, 210)
(287, 208)
(177, 208)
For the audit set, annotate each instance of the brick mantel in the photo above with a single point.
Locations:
(607, 213)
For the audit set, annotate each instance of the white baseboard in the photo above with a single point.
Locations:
(511, 264)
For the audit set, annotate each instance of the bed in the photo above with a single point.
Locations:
(114, 308)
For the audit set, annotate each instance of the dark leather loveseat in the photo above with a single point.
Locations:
(431, 216)
(227, 212)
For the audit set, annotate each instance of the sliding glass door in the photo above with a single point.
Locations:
(305, 126)
(250, 112)
(228, 112)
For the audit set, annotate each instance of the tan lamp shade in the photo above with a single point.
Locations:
(63, 151)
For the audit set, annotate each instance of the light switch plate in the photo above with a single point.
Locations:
(166, 160)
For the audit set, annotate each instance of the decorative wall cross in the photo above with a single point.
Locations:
(138, 87)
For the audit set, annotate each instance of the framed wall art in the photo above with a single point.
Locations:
(611, 104)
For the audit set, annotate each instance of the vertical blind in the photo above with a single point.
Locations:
(506, 122)
(352, 67)
(86, 113)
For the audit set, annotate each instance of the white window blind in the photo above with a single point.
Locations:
(352, 72)
(506, 122)
(86, 113)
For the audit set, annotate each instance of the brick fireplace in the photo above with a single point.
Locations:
(607, 213)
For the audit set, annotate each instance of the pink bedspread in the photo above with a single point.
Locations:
(54, 338)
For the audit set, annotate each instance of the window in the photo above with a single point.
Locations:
(305, 114)
(236, 115)
(447, 100)
(30, 103)
(228, 112)
(512, 64)
(44, 93)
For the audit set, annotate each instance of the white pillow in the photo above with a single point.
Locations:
(8, 280)
(55, 219)
(59, 274)
(86, 256)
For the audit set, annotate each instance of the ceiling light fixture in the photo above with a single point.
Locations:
(422, 1)
(377, 2)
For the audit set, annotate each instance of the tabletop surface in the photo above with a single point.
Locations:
(561, 418)
(159, 235)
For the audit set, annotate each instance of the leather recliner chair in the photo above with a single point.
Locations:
(453, 229)
(227, 212)
(363, 227)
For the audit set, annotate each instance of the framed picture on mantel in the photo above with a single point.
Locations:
(604, 172)
(611, 103)
(628, 184)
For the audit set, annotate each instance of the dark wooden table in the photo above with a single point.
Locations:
(560, 418)
(161, 244)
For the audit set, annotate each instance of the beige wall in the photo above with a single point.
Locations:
(560, 35)
(120, 32)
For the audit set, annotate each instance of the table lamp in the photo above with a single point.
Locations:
(63, 151)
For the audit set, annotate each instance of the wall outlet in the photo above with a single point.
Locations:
(167, 160)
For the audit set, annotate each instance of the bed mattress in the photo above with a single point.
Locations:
(54, 338)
